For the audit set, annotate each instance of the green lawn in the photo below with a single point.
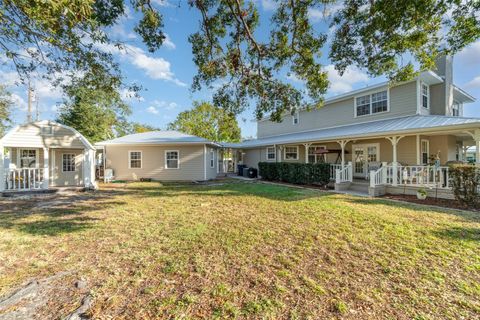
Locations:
(244, 250)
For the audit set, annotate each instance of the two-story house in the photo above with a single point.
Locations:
(403, 128)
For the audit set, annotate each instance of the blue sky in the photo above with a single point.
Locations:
(166, 75)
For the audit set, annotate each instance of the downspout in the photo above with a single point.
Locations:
(104, 163)
(205, 162)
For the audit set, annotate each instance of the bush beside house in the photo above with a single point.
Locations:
(296, 173)
(465, 180)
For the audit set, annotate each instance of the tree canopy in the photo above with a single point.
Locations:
(240, 61)
(5, 110)
(208, 121)
(142, 127)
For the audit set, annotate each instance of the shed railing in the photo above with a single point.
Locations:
(24, 179)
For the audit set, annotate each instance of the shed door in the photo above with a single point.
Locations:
(68, 167)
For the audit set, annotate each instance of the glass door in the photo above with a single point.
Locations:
(363, 155)
(358, 162)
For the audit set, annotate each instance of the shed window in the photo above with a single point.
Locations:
(47, 130)
(371, 103)
(271, 154)
(68, 162)
(28, 158)
(135, 159)
(295, 118)
(291, 153)
(171, 160)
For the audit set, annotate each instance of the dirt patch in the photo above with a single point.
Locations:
(445, 203)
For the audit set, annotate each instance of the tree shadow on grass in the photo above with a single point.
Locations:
(56, 214)
(459, 233)
(464, 215)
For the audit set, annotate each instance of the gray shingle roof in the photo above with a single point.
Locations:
(156, 137)
(400, 125)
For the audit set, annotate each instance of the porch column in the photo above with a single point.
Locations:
(2, 168)
(418, 150)
(476, 137)
(394, 140)
(46, 171)
(342, 144)
(280, 149)
(307, 146)
(464, 152)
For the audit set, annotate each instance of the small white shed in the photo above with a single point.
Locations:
(45, 154)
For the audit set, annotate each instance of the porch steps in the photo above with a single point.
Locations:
(360, 186)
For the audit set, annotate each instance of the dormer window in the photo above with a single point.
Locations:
(425, 96)
(295, 118)
(371, 103)
(47, 130)
(456, 108)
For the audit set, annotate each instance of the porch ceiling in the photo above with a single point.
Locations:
(408, 125)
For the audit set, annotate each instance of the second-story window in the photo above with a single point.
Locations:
(295, 118)
(372, 103)
(425, 96)
(456, 109)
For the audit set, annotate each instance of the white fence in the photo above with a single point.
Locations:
(416, 176)
(24, 179)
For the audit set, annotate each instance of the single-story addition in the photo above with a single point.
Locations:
(160, 155)
(45, 154)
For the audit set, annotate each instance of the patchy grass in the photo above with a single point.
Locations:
(244, 250)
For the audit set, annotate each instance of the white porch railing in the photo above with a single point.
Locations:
(416, 176)
(24, 179)
(333, 169)
(344, 174)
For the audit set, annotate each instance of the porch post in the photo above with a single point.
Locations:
(342, 144)
(2, 168)
(418, 150)
(307, 146)
(477, 151)
(394, 140)
(280, 149)
(46, 173)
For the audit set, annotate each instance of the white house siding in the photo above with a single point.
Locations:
(153, 162)
(29, 135)
(403, 102)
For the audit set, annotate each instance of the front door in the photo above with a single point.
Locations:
(363, 155)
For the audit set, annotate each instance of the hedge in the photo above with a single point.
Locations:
(465, 180)
(297, 173)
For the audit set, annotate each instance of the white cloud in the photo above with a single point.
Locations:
(155, 68)
(317, 15)
(470, 55)
(152, 110)
(341, 84)
(19, 102)
(474, 83)
(163, 3)
(269, 5)
(130, 95)
(168, 43)
(165, 105)
(119, 31)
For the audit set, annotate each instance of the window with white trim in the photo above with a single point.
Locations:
(212, 158)
(425, 146)
(171, 159)
(291, 153)
(371, 103)
(425, 96)
(456, 107)
(271, 154)
(28, 158)
(135, 159)
(314, 156)
(295, 118)
(68, 162)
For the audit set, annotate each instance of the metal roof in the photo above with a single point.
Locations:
(402, 125)
(156, 137)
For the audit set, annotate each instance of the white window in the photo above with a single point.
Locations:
(425, 146)
(212, 158)
(271, 154)
(47, 130)
(457, 106)
(314, 156)
(295, 118)
(371, 103)
(291, 153)
(68, 162)
(28, 158)
(172, 159)
(134, 159)
(425, 96)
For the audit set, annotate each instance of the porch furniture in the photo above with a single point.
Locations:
(109, 175)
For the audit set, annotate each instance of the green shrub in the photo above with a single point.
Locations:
(296, 173)
(465, 180)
